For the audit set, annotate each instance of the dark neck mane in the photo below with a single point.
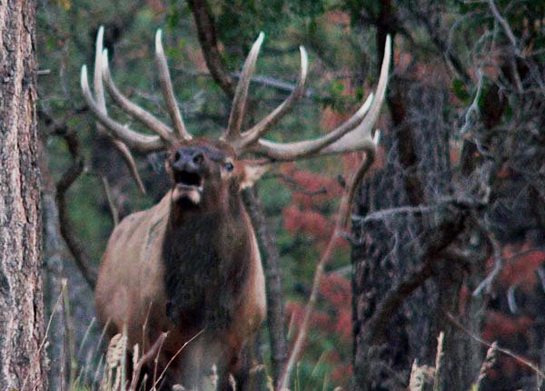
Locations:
(206, 258)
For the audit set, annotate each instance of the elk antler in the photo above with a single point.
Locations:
(165, 136)
(123, 149)
(353, 135)
(168, 92)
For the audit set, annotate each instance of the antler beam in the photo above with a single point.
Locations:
(353, 135)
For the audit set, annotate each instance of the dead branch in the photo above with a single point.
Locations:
(463, 202)
(505, 26)
(206, 31)
(443, 235)
(81, 259)
(109, 197)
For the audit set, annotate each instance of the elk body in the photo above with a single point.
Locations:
(184, 278)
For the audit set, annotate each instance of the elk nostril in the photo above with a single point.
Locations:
(177, 156)
(198, 158)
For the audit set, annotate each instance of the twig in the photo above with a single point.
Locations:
(206, 32)
(502, 350)
(342, 217)
(498, 265)
(67, 232)
(267, 81)
(393, 212)
(174, 357)
(296, 185)
(111, 204)
(473, 110)
(457, 201)
(503, 23)
(511, 300)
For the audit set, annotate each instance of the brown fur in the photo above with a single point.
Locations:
(186, 270)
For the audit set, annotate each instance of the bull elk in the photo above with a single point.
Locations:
(190, 265)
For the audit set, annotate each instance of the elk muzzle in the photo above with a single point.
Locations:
(188, 168)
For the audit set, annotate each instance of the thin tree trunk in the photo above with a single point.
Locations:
(275, 297)
(22, 364)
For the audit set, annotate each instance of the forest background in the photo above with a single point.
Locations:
(448, 228)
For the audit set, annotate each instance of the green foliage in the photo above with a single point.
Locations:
(460, 90)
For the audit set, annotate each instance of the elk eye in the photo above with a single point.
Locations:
(228, 166)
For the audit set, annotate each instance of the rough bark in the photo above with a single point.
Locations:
(398, 256)
(22, 361)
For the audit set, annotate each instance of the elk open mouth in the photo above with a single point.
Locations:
(188, 187)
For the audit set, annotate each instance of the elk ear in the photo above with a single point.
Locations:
(253, 170)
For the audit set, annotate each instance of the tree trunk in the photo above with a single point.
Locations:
(417, 172)
(22, 362)
(275, 297)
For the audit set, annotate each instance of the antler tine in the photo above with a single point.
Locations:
(140, 142)
(241, 92)
(97, 79)
(299, 149)
(168, 91)
(259, 130)
(353, 135)
(361, 138)
(135, 111)
(101, 102)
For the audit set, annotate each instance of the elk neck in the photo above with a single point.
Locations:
(207, 256)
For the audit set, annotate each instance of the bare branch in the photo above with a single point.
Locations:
(81, 258)
(442, 236)
(207, 37)
(503, 23)
(111, 203)
(69, 177)
(296, 185)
